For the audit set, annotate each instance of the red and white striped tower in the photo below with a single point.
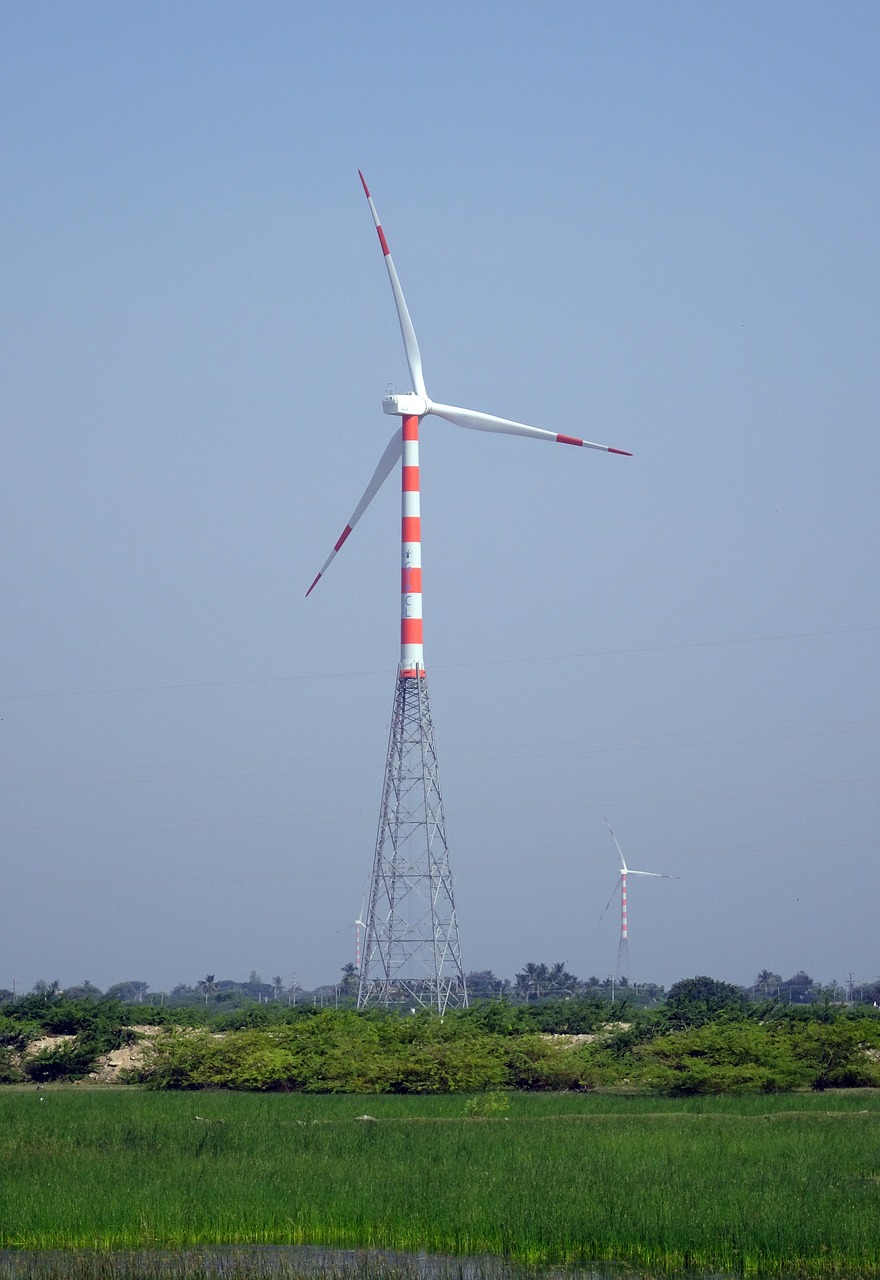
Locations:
(623, 945)
(411, 948)
(412, 657)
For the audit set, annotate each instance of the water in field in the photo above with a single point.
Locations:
(300, 1262)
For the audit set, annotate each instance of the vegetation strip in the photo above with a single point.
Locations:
(127, 1169)
(706, 1039)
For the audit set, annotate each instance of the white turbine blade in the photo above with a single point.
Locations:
(610, 900)
(623, 865)
(659, 875)
(410, 344)
(486, 422)
(386, 465)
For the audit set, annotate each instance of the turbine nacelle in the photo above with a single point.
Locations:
(406, 405)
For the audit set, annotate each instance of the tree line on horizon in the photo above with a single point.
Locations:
(536, 981)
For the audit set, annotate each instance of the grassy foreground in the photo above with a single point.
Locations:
(788, 1185)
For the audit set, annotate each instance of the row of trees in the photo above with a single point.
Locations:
(536, 981)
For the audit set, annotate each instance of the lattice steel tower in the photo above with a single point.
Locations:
(412, 951)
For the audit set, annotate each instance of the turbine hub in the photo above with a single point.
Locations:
(405, 405)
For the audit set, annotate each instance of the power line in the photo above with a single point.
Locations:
(441, 666)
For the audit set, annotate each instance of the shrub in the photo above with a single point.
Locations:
(15, 1033)
(695, 1001)
(487, 1104)
(721, 1057)
(835, 1054)
(10, 1069)
(68, 1061)
(449, 1066)
(536, 1063)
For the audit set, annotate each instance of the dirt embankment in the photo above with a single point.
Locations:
(109, 1066)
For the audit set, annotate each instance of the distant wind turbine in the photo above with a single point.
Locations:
(623, 946)
(358, 925)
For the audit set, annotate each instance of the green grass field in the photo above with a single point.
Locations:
(788, 1185)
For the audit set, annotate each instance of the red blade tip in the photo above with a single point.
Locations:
(624, 452)
(364, 184)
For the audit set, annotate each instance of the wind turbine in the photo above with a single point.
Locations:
(623, 946)
(411, 948)
(358, 925)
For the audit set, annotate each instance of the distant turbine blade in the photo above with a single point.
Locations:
(623, 865)
(486, 422)
(410, 344)
(387, 463)
(611, 899)
(659, 875)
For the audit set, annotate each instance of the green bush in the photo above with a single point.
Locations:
(176, 1060)
(323, 1054)
(10, 1069)
(836, 1053)
(695, 1001)
(15, 1033)
(573, 1016)
(487, 1104)
(449, 1066)
(536, 1063)
(71, 1060)
(348, 1052)
(724, 1057)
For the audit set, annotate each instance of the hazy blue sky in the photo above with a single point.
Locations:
(654, 224)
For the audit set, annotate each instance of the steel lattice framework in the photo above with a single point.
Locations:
(411, 951)
(623, 961)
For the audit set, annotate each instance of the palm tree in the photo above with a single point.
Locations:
(560, 980)
(348, 985)
(207, 986)
(767, 983)
(533, 979)
(277, 984)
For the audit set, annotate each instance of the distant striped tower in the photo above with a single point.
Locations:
(623, 945)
